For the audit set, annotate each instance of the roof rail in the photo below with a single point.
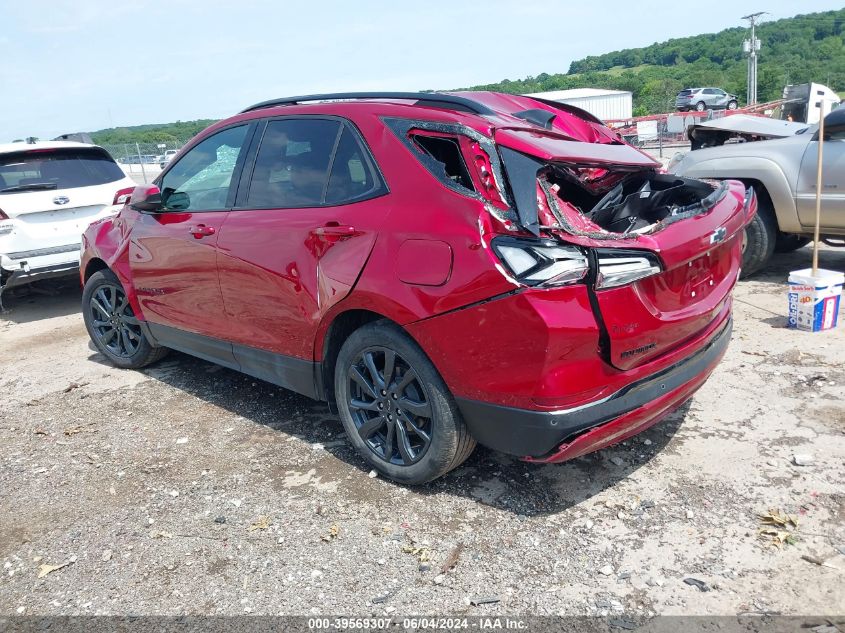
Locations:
(433, 99)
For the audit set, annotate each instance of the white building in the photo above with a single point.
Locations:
(604, 104)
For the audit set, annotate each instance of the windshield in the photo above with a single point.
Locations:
(63, 168)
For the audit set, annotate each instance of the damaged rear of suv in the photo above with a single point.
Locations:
(467, 267)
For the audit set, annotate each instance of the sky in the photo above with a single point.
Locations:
(84, 65)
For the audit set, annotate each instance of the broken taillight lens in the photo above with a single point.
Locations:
(618, 267)
(539, 262)
(481, 171)
(122, 196)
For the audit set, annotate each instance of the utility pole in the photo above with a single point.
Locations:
(750, 47)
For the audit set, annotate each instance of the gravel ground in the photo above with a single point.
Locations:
(188, 488)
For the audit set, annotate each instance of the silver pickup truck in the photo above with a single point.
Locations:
(783, 173)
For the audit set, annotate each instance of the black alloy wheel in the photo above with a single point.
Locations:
(395, 406)
(113, 326)
(389, 406)
(113, 322)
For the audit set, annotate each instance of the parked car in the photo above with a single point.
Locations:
(783, 173)
(441, 268)
(167, 157)
(702, 99)
(49, 192)
(135, 159)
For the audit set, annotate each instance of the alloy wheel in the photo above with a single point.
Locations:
(113, 322)
(389, 406)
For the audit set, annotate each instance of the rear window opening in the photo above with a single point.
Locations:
(447, 152)
(627, 203)
(62, 168)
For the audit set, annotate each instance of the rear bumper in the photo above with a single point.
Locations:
(555, 436)
(31, 261)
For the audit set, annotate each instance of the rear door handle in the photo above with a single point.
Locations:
(335, 230)
(201, 230)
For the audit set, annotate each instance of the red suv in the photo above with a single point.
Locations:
(441, 268)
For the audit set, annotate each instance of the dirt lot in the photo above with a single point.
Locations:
(188, 488)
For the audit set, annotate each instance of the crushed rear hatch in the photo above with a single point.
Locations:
(664, 251)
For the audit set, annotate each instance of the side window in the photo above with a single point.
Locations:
(352, 174)
(835, 133)
(292, 164)
(200, 180)
(834, 125)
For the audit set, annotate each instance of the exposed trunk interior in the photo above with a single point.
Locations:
(625, 203)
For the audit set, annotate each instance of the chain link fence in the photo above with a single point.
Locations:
(663, 135)
(143, 161)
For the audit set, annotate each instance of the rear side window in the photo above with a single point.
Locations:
(446, 155)
(292, 165)
(65, 168)
(353, 176)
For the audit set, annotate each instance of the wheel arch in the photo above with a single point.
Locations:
(330, 340)
(94, 265)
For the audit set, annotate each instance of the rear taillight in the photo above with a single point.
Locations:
(539, 262)
(618, 267)
(481, 170)
(123, 195)
(5, 227)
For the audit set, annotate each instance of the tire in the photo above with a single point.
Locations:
(700, 107)
(732, 105)
(112, 325)
(788, 242)
(760, 237)
(387, 441)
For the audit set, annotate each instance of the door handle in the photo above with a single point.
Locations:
(335, 230)
(200, 231)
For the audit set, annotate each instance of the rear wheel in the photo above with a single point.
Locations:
(395, 407)
(113, 326)
(788, 242)
(758, 244)
(700, 107)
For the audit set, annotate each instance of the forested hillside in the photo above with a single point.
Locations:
(794, 50)
(178, 132)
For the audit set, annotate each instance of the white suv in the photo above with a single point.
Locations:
(49, 193)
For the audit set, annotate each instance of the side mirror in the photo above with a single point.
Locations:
(146, 198)
(178, 201)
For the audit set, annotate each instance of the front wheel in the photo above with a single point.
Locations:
(112, 324)
(732, 105)
(395, 407)
(758, 243)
